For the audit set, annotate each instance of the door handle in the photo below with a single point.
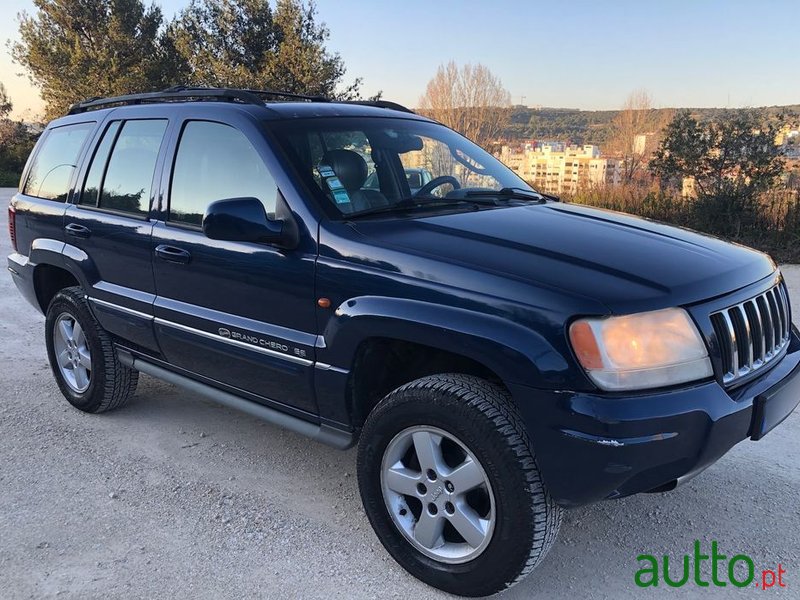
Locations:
(76, 230)
(173, 254)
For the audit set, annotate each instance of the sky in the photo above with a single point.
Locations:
(578, 54)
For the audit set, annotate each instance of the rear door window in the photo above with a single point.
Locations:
(91, 188)
(52, 167)
(128, 178)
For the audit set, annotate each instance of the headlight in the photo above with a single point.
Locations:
(640, 351)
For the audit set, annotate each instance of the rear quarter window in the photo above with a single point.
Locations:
(55, 162)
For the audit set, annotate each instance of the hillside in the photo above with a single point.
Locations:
(588, 126)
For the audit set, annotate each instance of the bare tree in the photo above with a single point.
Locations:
(635, 133)
(469, 99)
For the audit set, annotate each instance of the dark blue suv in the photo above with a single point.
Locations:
(497, 355)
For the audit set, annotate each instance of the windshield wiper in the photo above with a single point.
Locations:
(409, 204)
(510, 193)
(471, 198)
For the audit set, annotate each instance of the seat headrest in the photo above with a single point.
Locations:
(350, 167)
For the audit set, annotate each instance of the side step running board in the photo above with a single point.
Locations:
(319, 432)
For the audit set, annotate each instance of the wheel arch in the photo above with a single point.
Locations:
(373, 331)
(57, 266)
(382, 364)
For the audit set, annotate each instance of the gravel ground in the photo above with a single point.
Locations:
(174, 497)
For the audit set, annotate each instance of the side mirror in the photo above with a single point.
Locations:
(241, 220)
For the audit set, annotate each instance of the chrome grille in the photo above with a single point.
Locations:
(753, 333)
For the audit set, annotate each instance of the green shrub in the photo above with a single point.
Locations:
(8, 179)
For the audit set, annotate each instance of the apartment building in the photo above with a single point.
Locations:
(789, 141)
(556, 168)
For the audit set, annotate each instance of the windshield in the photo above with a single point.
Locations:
(364, 165)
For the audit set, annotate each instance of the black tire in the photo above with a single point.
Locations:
(110, 383)
(481, 416)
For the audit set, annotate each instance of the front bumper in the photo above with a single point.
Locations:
(592, 446)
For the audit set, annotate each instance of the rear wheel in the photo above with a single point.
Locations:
(82, 356)
(451, 487)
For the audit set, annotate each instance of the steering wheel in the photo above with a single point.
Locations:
(436, 182)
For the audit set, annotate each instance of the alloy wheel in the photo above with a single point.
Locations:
(72, 353)
(438, 494)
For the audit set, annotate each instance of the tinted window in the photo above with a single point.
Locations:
(129, 176)
(55, 162)
(91, 189)
(215, 162)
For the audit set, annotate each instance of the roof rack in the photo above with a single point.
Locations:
(186, 93)
(180, 93)
(381, 104)
(291, 95)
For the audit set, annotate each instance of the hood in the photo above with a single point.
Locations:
(627, 263)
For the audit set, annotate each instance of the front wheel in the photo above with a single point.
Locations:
(451, 487)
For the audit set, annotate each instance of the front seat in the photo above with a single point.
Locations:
(351, 170)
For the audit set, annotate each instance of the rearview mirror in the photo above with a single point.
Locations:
(397, 142)
(240, 220)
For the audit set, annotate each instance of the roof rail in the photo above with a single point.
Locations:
(381, 104)
(185, 94)
(292, 95)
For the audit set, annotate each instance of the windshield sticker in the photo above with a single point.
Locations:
(341, 196)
